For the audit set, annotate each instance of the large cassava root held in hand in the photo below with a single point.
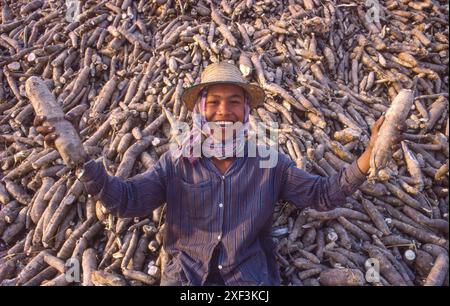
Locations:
(388, 135)
(68, 142)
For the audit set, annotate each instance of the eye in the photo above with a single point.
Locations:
(212, 102)
(236, 102)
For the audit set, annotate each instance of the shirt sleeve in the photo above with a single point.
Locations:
(321, 193)
(134, 197)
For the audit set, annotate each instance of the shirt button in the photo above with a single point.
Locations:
(220, 205)
(223, 177)
(220, 267)
(219, 237)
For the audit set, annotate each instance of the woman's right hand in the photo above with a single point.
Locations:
(45, 129)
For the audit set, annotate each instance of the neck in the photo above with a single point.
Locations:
(222, 164)
(228, 159)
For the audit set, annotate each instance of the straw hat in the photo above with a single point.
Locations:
(222, 73)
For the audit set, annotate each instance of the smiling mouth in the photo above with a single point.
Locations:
(224, 124)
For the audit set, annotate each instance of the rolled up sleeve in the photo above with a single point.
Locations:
(321, 193)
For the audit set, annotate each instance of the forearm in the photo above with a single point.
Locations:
(341, 185)
(121, 197)
(97, 184)
(322, 193)
(364, 161)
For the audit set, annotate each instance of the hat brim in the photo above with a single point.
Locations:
(255, 93)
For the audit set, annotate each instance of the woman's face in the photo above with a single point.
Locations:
(225, 103)
(224, 110)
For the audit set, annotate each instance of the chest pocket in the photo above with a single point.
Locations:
(196, 198)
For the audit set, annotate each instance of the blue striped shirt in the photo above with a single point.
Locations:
(232, 212)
